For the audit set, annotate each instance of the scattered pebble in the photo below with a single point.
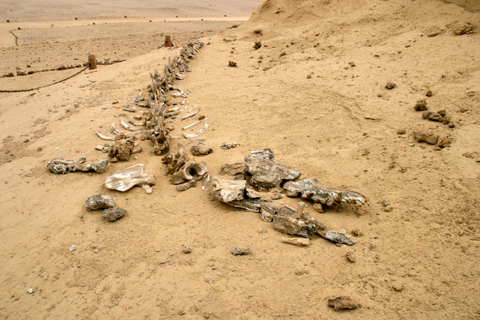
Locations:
(30, 290)
(420, 105)
(390, 85)
(240, 251)
(262, 230)
(73, 248)
(401, 131)
(187, 250)
(350, 257)
(342, 303)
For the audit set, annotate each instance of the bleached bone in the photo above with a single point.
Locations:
(103, 149)
(127, 178)
(194, 124)
(179, 94)
(193, 135)
(127, 127)
(104, 137)
(191, 114)
(136, 123)
(116, 132)
(127, 108)
(191, 170)
(139, 97)
(60, 166)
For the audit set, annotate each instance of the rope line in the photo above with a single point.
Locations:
(47, 85)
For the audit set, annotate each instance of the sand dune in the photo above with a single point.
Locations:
(315, 93)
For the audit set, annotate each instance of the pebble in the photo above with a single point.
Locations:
(187, 250)
(73, 248)
(262, 230)
(30, 290)
(208, 278)
(390, 85)
(240, 251)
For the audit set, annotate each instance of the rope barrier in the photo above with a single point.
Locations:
(47, 85)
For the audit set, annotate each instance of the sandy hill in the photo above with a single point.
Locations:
(314, 91)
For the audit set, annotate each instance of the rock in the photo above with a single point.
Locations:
(240, 251)
(398, 287)
(342, 303)
(465, 29)
(73, 248)
(426, 136)
(114, 214)
(444, 142)
(229, 145)
(432, 116)
(187, 250)
(433, 31)
(401, 131)
(257, 45)
(350, 257)
(232, 64)
(100, 201)
(201, 149)
(30, 291)
(429, 93)
(420, 105)
(356, 233)
(390, 85)
(296, 241)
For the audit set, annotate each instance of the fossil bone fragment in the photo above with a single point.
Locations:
(230, 145)
(129, 109)
(201, 149)
(122, 149)
(193, 135)
(104, 137)
(103, 148)
(60, 166)
(234, 169)
(127, 127)
(296, 241)
(99, 201)
(190, 141)
(194, 124)
(191, 170)
(114, 214)
(137, 123)
(267, 173)
(342, 303)
(311, 189)
(193, 113)
(179, 94)
(127, 178)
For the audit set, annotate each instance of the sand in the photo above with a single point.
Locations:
(315, 94)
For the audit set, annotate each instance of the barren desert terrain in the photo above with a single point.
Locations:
(329, 86)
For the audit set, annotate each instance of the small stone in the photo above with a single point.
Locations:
(208, 278)
(240, 251)
(73, 248)
(390, 85)
(420, 105)
(356, 233)
(401, 131)
(115, 102)
(398, 287)
(426, 136)
(429, 93)
(114, 214)
(309, 76)
(262, 230)
(187, 250)
(30, 291)
(162, 262)
(299, 272)
(350, 257)
(232, 64)
(342, 303)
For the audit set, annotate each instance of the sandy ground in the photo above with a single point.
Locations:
(315, 94)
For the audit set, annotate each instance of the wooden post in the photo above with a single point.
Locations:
(168, 42)
(92, 62)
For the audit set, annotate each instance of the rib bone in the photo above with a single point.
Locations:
(193, 135)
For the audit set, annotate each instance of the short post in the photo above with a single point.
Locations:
(92, 62)
(168, 42)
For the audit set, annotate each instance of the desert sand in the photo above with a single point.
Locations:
(315, 93)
